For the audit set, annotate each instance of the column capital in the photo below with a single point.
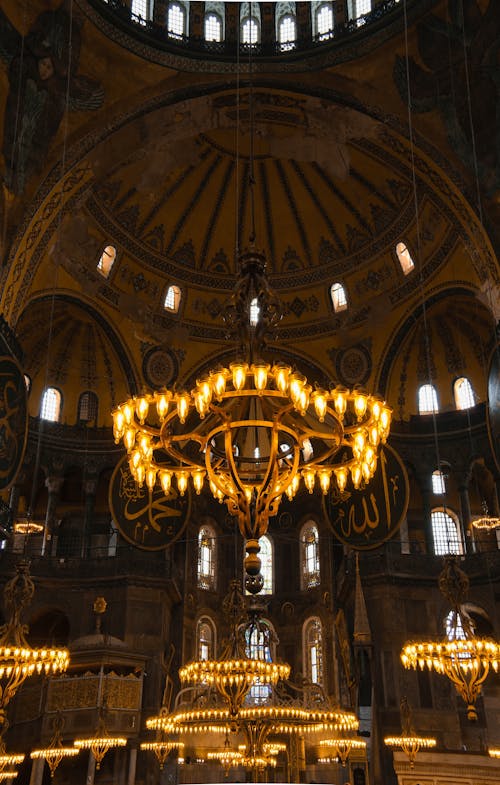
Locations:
(54, 483)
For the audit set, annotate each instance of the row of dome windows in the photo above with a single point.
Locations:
(338, 291)
(322, 19)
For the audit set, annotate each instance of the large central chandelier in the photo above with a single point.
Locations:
(255, 430)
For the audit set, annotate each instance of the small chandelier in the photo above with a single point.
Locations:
(254, 430)
(227, 757)
(101, 742)
(486, 522)
(55, 752)
(162, 748)
(8, 775)
(9, 759)
(410, 745)
(343, 745)
(464, 658)
(18, 659)
(494, 752)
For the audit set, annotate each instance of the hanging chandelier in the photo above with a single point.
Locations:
(463, 657)
(55, 752)
(342, 746)
(255, 430)
(18, 660)
(486, 522)
(162, 748)
(410, 745)
(101, 742)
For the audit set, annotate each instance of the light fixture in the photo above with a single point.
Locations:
(162, 748)
(27, 526)
(9, 759)
(342, 746)
(55, 752)
(101, 742)
(227, 757)
(243, 429)
(18, 660)
(410, 745)
(464, 658)
(7, 775)
(494, 752)
(486, 521)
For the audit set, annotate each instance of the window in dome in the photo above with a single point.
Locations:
(250, 31)
(205, 636)
(438, 483)
(322, 19)
(404, 258)
(176, 20)
(427, 399)
(339, 297)
(266, 567)
(464, 394)
(259, 640)
(206, 558)
(287, 31)
(357, 8)
(141, 10)
(213, 27)
(445, 532)
(313, 649)
(172, 299)
(51, 405)
(87, 407)
(254, 312)
(309, 547)
(106, 261)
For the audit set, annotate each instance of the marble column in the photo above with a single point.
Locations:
(53, 485)
(90, 770)
(132, 764)
(37, 768)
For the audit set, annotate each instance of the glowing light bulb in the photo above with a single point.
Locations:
(141, 409)
(341, 477)
(356, 475)
(182, 482)
(324, 481)
(281, 376)
(297, 381)
(260, 372)
(198, 478)
(319, 400)
(309, 478)
(340, 400)
(162, 405)
(183, 406)
(219, 383)
(129, 439)
(165, 480)
(151, 478)
(360, 404)
(239, 371)
(128, 412)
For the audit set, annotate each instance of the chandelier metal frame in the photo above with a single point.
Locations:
(410, 745)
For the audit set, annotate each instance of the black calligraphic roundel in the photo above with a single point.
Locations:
(149, 520)
(366, 518)
(494, 404)
(13, 419)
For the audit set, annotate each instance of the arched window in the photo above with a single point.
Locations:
(438, 483)
(464, 394)
(266, 568)
(339, 297)
(261, 640)
(286, 25)
(206, 558)
(313, 650)
(106, 261)
(357, 8)
(141, 10)
(176, 20)
(250, 23)
(404, 258)
(172, 299)
(254, 312)
(309, 548)
(51, 405)
(87, 407)
(427, 399)
(213, 27)
(445, 532)
(205, 638)
(322, 20)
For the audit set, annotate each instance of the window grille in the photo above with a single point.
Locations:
(427, 399)
(51, 405)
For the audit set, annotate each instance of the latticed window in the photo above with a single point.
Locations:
(141, 9)
(309, 544)
(324, 21)
(176, 20)
(87, 407)
(404, 258)
(106, 260)
(339, 297)
(259, 639)
(213, 27)
(313, 650)
(50, 408)
(172, 299)
(438, 483)
(205, 635)
(464, 394)
(249, 31)
(427, 399)
(358, 8)
(445, 532)
(206, 558)
(287, 31)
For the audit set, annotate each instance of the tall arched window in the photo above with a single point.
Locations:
(205, 638)
(464, 394)
(313, 650)
(339, 297)
(357, 8)
(427, 399)
(286, 25)
(106, 260)
(438, 483)
(172, 299)
(250, 23)
(176, 20)
(322, 20)
(446, 532)
(87, 407)
(213, 27)
(404, 258)
(50, 408)
(206, 558)
(141, 10)
(261, 641)
(309, 555)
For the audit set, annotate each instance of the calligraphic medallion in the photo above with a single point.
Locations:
(366, 518)
(147, 519)
(493, 407)
(13, 419)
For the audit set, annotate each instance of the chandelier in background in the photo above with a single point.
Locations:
(254, 430)
(55, 752)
